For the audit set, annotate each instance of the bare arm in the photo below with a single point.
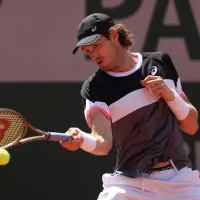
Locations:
(99, 142)
(101, 130)
(190, 123)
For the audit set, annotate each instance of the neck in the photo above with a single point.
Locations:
(126, 61)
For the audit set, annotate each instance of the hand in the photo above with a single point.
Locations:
(76, 141)
(157, 86)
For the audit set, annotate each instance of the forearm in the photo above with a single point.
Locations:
(190, 123)
(95, 144)
(102, 146)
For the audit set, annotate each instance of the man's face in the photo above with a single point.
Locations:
(103, 52)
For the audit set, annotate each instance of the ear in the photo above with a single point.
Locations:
(114, 35)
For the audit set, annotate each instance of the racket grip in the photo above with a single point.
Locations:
(59, 136)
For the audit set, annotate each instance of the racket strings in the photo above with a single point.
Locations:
(12, 127)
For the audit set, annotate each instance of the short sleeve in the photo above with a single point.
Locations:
(171, 75)
(92, 99)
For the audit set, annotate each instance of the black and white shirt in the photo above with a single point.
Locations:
(144, 129)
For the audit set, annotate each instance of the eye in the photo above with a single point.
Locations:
(87, 56)
(86, 53)
(96, 45)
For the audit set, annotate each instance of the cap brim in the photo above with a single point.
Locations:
(87, 41)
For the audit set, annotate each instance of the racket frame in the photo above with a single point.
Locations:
(21, 140)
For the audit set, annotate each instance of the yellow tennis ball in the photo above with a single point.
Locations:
(4, 157)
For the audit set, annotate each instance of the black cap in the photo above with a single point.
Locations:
(91, 28)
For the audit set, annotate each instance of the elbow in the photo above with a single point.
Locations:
(194, 129)
(107, 149)
(195, 126)
(191, 130)
(105, 153)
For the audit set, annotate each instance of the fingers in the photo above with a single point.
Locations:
(75, 142)
(151, 83)
(71, 144)
(74, 132)
(155, 84)
(148, 78)
(157, 90)
(66, 144)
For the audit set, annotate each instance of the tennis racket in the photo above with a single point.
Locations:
(13, 129)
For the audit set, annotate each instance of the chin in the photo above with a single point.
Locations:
(104, 68)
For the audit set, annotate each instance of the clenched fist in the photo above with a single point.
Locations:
(75, 142)
(158, 87)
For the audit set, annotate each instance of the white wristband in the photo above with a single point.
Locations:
(89, 142)
(179, 107)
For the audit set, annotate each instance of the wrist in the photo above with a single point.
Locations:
(172, 95)
(178, 106)
(89, 142)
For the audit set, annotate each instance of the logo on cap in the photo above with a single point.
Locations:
(94, 28)
(154, 70)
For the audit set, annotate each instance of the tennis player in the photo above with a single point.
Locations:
(135, 101)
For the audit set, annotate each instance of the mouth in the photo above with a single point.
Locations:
(100, 62)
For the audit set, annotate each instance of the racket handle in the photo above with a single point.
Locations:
(59, 136)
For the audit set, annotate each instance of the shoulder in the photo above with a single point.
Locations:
(159, 56)
(91, 86)
(161, 59)
(159, 64)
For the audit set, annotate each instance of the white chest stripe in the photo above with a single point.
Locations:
(127, 104)
(133, 101)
